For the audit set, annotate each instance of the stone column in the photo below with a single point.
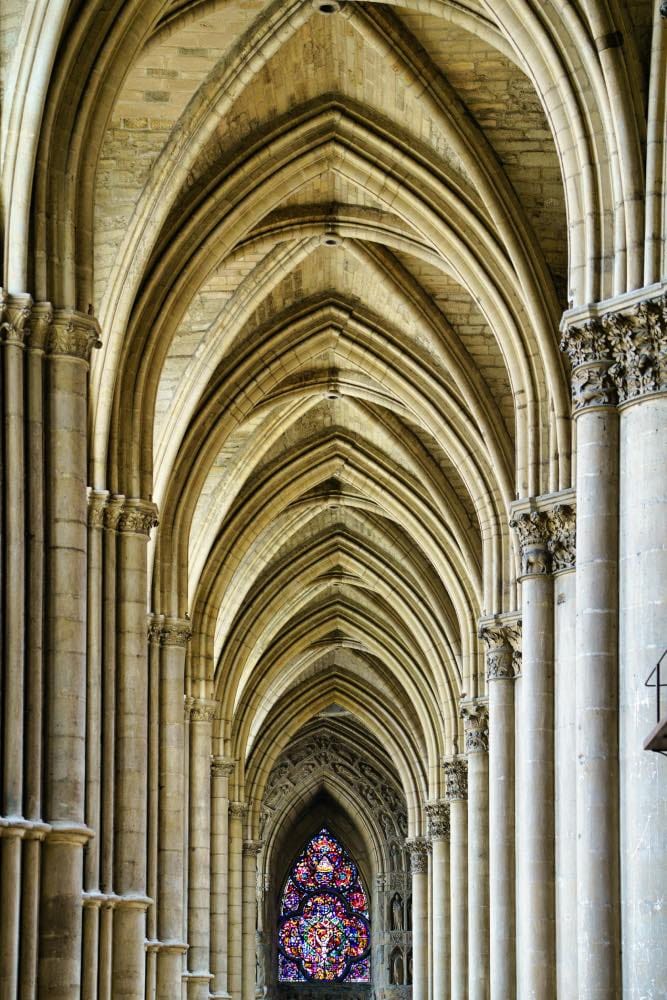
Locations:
(131, 751)
(40, 324)
(476, 720)
(202, 714)
(598, 885)
(91, 914)
(251, 849)
(70, 340)
(174, 635)
(536, 938)
(438, 815)
(418, 849)
(221, 769)
(237, 814)
(566, 774)
(638, 339)
(502, 637)
(14, 325)
(456, 777)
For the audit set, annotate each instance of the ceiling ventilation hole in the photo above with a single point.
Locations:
(331, 240)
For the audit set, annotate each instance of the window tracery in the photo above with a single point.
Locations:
(324, 929)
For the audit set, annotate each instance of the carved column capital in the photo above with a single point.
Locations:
(532, 528)
(137, 517)
(547, 531)
(238, 810)
(222, 767)
(502, 640)
(456, 778)
(563, 537)
(618, 348)
(475, 715)
(154, 626)
(73, 335)
(41, 319)
(15, 313)
(438, 819)
(418, 850)
(97, 501)
(202, 709)
(176, 632)
(251, 848)
(112, 512)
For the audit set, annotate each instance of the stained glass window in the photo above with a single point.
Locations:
(324, 931)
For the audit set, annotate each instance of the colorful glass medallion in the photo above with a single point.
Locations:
(324, 931)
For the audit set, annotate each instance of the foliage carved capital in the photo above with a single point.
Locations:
(438, 819)
(418, 850)
(456, 778)
(475, 715)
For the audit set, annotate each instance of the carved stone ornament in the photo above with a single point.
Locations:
(639, 349)
(112, 512)
(14, 318)
(73, 335)
(475, 715)
(154, 628)
(251, 848)
(41, 320)
(222, 767)
(176, 632)
(503, 648)
(533, 531)
(563, 537)
(97, 501)
(238, 810)
(456, 778)
(138, 517)
(620, 355)
(202, 710)
(418, 850)
(438, 819)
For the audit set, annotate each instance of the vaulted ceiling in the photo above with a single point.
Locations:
(327, 244)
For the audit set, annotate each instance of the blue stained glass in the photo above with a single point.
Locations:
(324, 930)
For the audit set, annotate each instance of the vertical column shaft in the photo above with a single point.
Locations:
(566, 785)
(501, 659)
(536, 944)
(202, 714)
(475, 715)
(221, 769)
(70, 340)
(237, 813)
(418, 848)
(174, 637)
(598, 927)
(251, 849)
(456, 775)
(438, 813)
(131, 777)
(643, 570)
